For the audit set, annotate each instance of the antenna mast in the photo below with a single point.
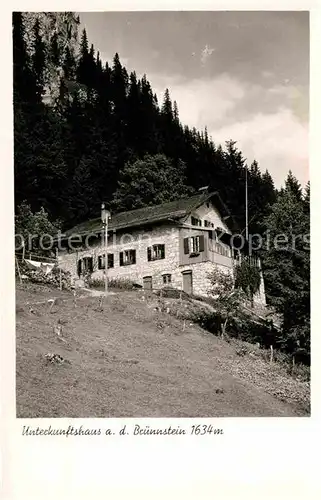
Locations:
(246, 207)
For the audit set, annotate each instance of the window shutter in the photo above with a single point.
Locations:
(163, 251)
(110, 260)
(186, 245)
(121, 258)
(201, 243)
(149, 254)
(134, 256)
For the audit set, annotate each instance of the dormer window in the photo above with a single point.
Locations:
(195, 221)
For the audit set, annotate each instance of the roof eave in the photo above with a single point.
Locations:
(168, 217)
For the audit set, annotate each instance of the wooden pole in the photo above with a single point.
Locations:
(19, 271)
(60, 277)
(246, 207)
(180, 303)
(106, 255)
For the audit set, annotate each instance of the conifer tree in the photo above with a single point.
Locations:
(38, 60)
(287, 267)
(306, 199)
(24, 84)
(55, 55)
(167, 108)
(292, 185)
(82, 68)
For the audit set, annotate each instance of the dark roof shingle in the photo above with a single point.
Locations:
(174, 210)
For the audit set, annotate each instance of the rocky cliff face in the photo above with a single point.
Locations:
(61, 27)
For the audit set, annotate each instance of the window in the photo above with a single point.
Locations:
(167, 278)
(207, 223)
(79, 267)
(156, 252)
(101, 261)
(195, 221)
(85, 265)
(88, 264)
(194, 245)
(127, 257)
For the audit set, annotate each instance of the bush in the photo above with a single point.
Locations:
(121, 284)
(53, 278)
(300, 372)
(96, 282)
(172, 293)
(248, 278)
(251, 332)
(241, 326)
(38, 223)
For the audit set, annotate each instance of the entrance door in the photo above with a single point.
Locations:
(148, 283)
(187, 282)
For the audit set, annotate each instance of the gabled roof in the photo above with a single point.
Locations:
(171, 211)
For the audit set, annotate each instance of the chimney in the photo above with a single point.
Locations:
(203, 189)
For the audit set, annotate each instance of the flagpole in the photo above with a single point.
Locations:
(105, 216)
(246, 207)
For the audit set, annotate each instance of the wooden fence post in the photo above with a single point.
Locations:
(17, 263)
(180, 303)
(60, 280)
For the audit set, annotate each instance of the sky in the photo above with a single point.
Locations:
(244, 75)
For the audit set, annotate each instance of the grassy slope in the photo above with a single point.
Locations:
(130, 361)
